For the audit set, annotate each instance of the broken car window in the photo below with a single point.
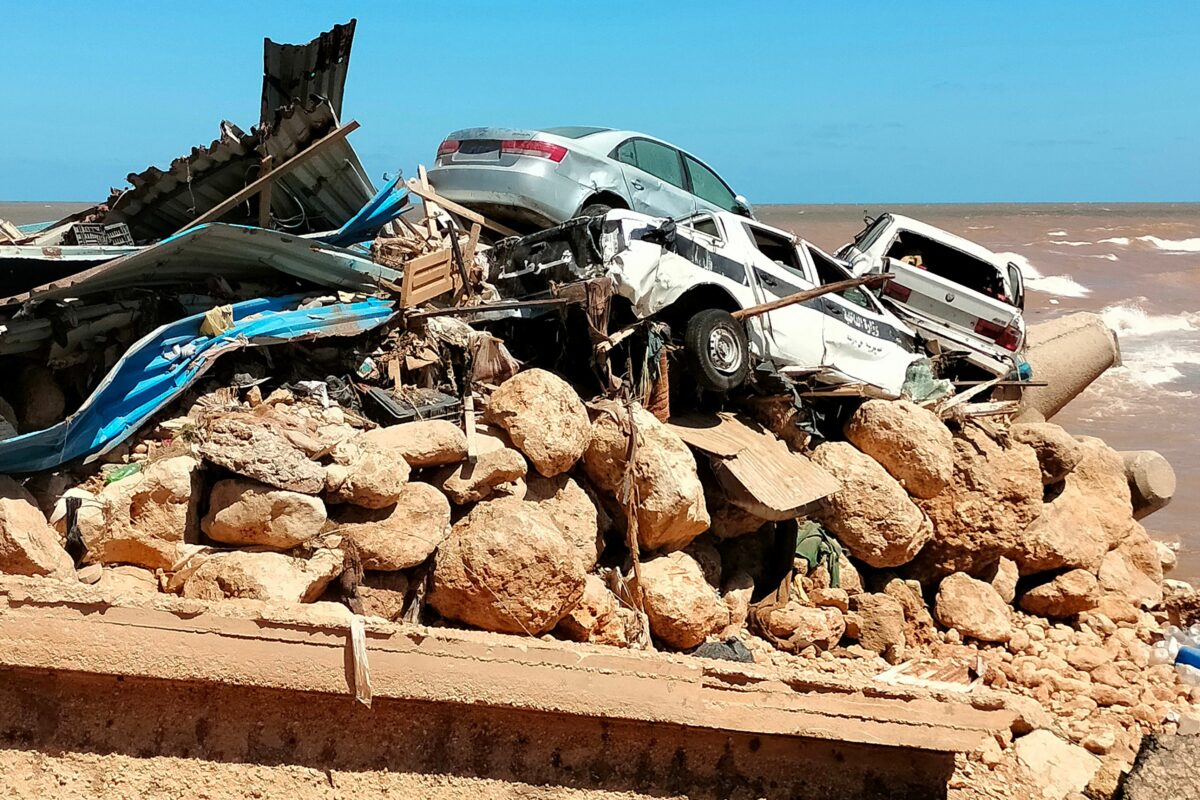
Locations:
(706, 225)
(828, 272)
(707, 186)
(779, 249)
(659, 160)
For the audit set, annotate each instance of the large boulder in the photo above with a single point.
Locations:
(794, 627)
(1133, 570)
(142, 519)
(244, 512)
(402, 535)
(973, 608)
(871, 515)
(574, 513)
(506, 567)
(383, 594)
(670, 511)
(262, 576)
(470, 481)
(543, 417)
(684, 609)
(599, 618)
(257, 448)
(1058, 767)
(1064, 596)
(28, 545)
(1066, 534)
(995, 493)
(881, 625)
(1058, 452)
(426, 443)
(365, 474)
(911, 443)
(1100, 477)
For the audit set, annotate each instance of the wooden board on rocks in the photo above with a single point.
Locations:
(755, 467)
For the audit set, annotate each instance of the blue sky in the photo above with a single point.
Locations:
(791, 102)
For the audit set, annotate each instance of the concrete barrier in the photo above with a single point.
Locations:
(1151, 481)
(1068, 353)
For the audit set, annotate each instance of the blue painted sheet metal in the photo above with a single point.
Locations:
(233, 251)
(385, 206)
(162, 364)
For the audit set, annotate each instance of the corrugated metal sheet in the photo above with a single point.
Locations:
(162, 364)
(295, 72)
(234, 252)
(23, 267)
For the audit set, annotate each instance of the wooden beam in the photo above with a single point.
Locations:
(253, 188)
(264, 198)
(810, 294)
(514, 305)
(429, 195)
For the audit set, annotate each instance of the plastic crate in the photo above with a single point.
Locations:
(86, 233)
(118, 235)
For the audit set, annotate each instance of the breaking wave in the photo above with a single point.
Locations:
(1121, 240)
(1056, 233)
(1131, 320)
(1156, 349)
(1070, 244)
(1175, 245)
(1057, 285)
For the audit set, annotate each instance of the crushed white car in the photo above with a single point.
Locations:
(963, 298)
(693, 273)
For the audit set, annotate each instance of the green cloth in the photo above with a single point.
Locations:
(817, 546)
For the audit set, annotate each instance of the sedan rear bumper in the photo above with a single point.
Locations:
(535, 193)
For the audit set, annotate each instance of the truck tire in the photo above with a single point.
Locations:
(716, 350)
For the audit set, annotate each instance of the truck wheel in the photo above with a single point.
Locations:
(716, 350)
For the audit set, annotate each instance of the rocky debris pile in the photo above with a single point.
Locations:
(1011, 549)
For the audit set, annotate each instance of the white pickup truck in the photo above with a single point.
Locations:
(694, 272)
(960, 296)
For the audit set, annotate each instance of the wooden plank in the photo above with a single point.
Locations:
(429, 195)
(425, 278)
(810, 294)
(256, 186)
(469, 425)
(264, 197)
(431, 208)
(509, 306)
(755, 467)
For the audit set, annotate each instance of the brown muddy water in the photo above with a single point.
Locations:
(1136, 264)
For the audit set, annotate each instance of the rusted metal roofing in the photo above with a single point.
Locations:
(296, 72)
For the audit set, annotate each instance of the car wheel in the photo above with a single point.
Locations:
(716, 350)
(595, 210)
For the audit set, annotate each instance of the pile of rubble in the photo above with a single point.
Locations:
(1001, 553)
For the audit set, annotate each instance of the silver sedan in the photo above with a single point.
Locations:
(533, 179)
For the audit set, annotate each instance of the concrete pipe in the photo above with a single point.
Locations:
(1068, 353)
(1151, 481)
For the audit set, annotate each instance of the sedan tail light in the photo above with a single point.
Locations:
(447, 147)
(896, 291)
(1007, 337)
(532, 147)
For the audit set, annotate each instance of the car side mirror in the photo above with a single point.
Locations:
(742, 206)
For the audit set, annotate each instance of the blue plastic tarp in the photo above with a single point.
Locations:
(162, 364)
(385, 206)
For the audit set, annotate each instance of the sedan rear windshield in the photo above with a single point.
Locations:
(574, 131)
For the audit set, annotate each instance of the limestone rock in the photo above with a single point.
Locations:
(828, 597)
(263, 576)
(683, 608)
(796, 627)
(872, 516)
(1059, 767)
(708, 557)
(881, 625)
(599, 618)
(671, 509)
(544, 417)
(469, 482)
(142, 519)
(365, 474)
(1065, 596)
(911, 443)
(383, 594)
(736, 594)
(973, 608)
(426, 443)
(1133, 570)
(574, 513)
(244, 512)
(255, 448)
(1067, 534)
(40, 402)
(1088, 657)
(402, 535)
(995, 493)
(506, 568)
(1100, 477)
(28, 545)
(1058, 452)
(1004, 580)
(125, 579)
(919, 628)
